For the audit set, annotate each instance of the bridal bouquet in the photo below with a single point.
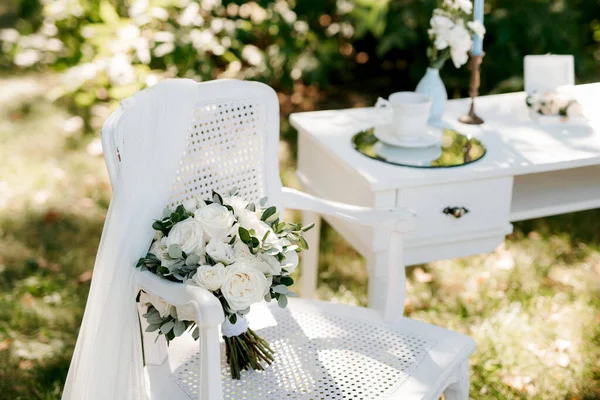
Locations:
(241, 252)
(451, 33)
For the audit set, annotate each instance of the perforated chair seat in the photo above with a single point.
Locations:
(328, 351)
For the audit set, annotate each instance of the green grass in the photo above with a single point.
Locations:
(532, 306)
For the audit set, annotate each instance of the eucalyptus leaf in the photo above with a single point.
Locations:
(175, 251)
(263, 201)
(308, 227)
(268, 297)
(193, 259)
(244, 235)
(303, 243)
(291, 294)
(196, 333)
(233, 191)
(251, 207)
(173, 312)
(166, 327)
(179, 328)
(282, 301)
(280, 289)
(152, 327)
(268, 212)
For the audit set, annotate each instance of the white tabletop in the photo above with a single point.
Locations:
(516, 144)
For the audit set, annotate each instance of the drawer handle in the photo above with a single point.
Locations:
(456, 212)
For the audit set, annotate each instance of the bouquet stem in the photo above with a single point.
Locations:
(246, 350)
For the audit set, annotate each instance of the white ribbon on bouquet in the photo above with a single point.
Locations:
(107, 362)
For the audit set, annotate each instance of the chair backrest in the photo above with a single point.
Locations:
(232, 141)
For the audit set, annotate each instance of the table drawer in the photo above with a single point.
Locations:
(458, 207)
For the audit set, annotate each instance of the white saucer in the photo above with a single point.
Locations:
(430, 137)
(421, 157)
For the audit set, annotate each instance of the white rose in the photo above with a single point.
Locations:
(220, 251)
(216, 220)
(161, 306)
(477, 27)
(249, 220)
(210, 277)
(190, 205)
(238, 204)
(291, 260)
(574, 110)
(243, 286)
(271, 261)
(243, 254)
(188, 234)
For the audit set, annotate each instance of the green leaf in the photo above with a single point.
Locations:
(175, 251)
(287, 280)
(152, 327)
(232, 241)
(192, 260)
(303, 243)
(179, 328)
(308, 227)
(233, 318)
(158, 226)
(217, 198)
(282, 289)
(166, 327)
(255, 242)
(268, 212)
(108, 13)
(282, 301)
(244, 235)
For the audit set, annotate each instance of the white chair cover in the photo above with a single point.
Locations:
(107, 362)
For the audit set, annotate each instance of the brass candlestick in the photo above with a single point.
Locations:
(471, 118)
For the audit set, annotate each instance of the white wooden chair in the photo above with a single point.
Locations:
(323, 350)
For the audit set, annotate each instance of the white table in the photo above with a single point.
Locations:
(528, 172)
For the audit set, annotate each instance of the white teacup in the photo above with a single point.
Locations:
(410, 112)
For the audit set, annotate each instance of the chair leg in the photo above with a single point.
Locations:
(459, 390)
(310, 258)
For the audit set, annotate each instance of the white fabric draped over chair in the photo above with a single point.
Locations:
(107, 362)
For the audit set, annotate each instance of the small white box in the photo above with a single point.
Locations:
(546, 73)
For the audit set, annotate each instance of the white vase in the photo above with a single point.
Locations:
(431, 84)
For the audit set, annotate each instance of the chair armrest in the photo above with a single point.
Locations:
(402, 218)
(207, 308)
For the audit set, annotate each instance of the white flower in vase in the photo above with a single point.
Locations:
(216, 220)
(243, 286)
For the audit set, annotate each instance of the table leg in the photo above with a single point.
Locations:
(378, 265)
(310, 258)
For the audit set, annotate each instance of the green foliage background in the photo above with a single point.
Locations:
(323, 42)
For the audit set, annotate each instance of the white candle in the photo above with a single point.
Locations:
(478, 16)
